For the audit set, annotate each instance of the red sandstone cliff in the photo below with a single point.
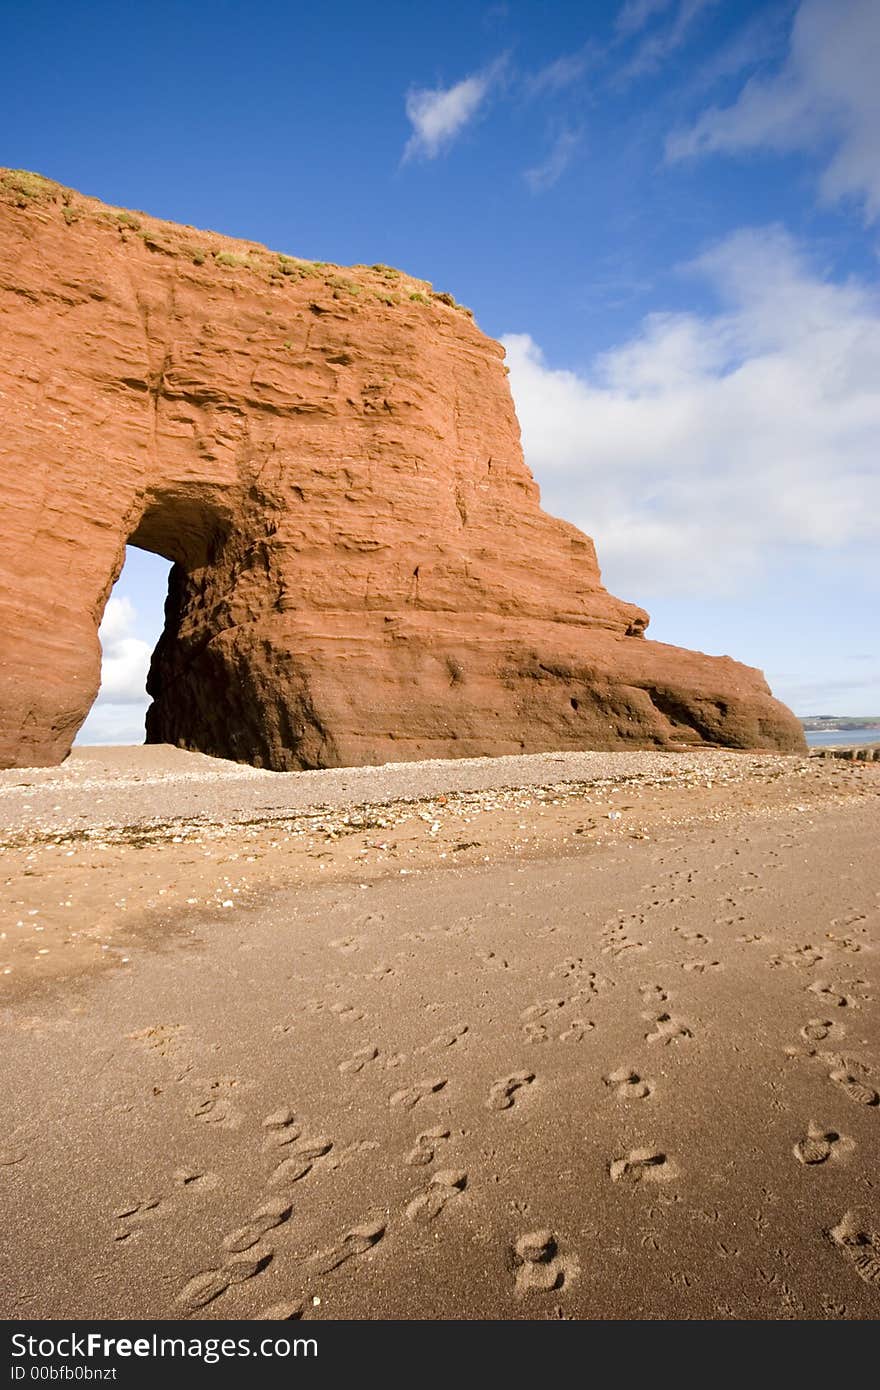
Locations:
(331, 458)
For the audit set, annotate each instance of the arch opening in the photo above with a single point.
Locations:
(133, 622)
(177, 532)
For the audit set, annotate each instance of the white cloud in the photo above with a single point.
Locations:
(117, 715)
(709, 447)
(827, 94)
(438, 115)
(544, 175)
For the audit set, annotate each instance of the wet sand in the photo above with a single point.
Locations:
(589, 1036)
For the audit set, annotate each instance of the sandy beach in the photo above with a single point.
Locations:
(561, 1036)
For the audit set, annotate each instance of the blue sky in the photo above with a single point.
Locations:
(668, 209)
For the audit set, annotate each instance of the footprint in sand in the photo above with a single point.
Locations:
(347, 1013)
(383, 971)
(425, 1147)
(592, 984)
(854, 1086)
(667, 1029)
(502, 1092)
(699, 967)
(643, 1165)
(539, 1266)
(494, 961)
(570, 968)
(623, 943)
(352, 1065)
(577, 1030)
(845, 944)
(853, 1236)
(132, 1214)
(831, 995)
(271, 1214)
(411, 1095)
(281, 1129)
(818, 1145)
(303, 1154)
(356, 1241)
(279, 1119)
(806, 955)
(443, 1186)
(535, 1019)
(818, 1029)
(448, 1038)
(653, 994)
(130, 1209)
(628, 1084)
(203, 1288)
(340, 1158)
(215, 1105)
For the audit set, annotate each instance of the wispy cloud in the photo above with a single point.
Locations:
(709, 447)
(826, 95)
(546, 174)
(561, 73)
(438, 115)
(656, 47)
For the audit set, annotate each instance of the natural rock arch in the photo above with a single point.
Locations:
(362, 571)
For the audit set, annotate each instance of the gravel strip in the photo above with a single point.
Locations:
(144, 786)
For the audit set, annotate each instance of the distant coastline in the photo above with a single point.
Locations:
(843, 722)
(829, 730)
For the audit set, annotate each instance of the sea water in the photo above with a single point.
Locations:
(821, 738)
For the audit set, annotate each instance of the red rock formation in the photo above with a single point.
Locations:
(362, 571)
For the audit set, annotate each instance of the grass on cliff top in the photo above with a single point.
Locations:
(21, 188)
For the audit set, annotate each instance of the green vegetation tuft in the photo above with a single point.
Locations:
(127, 219)
(387, 271)
(199, 256)
(70, 215)
(442, 297)
(338, 282)
(19, 187)
(384, 298)
(226, 258)
(299, 270)
(418, 298)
